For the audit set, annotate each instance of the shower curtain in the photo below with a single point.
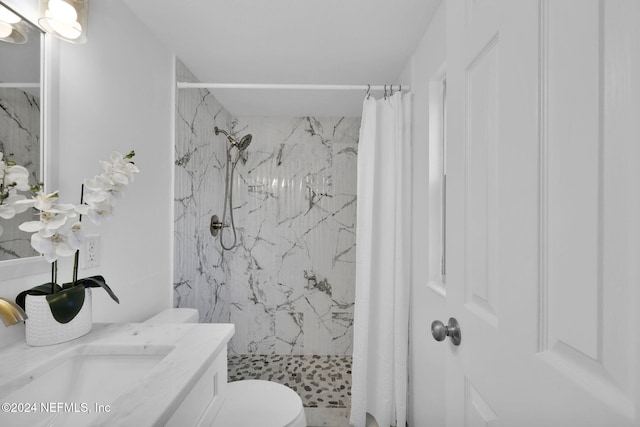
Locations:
(381, 317)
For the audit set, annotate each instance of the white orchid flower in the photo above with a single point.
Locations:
(62, 243)
(52, 218)
(98, 205)
(120, 167)
(44, 201)
(99, 197)
(47, 226)
(20, 203)
(14, 176)
(103, 184)
(7, 210)
(98, 183)
(95, 200)
(54, 235)
(100, 211)
(99, 201)
(114, 174)
(17, 176)
(53, 246)
(102, 187)
(75, 237)
(14, 204)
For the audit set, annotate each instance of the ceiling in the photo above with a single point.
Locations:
(291, 42)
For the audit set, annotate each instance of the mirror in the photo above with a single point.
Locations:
(21, 116)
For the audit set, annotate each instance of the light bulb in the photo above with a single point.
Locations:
(69, 31)
(5, 30)
(7, 16)
(62, 11)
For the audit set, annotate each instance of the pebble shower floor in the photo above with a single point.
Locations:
(321, 381)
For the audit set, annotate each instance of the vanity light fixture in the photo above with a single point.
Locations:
(65, 19)
(12, 28)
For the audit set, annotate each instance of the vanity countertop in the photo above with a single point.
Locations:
(148, 401)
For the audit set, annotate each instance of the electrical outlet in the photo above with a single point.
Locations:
(91, 253)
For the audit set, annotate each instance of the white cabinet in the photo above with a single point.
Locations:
(203, 402)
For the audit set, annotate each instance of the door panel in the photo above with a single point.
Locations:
(571, 172)
(582, 181)
(481, 125)
(543, 212)
(478, 413)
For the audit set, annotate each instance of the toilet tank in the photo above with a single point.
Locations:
(175, 315)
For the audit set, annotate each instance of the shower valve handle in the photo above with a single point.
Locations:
(216, 225)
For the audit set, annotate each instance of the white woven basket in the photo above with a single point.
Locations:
(42, 329)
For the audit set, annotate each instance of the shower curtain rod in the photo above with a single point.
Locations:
(186, 85)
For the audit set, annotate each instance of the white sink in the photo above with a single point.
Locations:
(144, 371)
(74, 387)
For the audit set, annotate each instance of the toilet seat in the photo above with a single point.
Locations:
(261, 403)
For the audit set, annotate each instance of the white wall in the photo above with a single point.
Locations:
(115, 93)
(426, 356)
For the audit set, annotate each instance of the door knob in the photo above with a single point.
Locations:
(451, 330)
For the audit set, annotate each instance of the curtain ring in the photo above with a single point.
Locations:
(391, 90)
(385, 91)
(400, 88)
(368, 94)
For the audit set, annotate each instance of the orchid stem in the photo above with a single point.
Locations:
(75, 267)
(54, 276)
(81, 199)
(77, 255)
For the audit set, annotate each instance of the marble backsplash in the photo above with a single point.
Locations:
(288, 285)
(20, 135)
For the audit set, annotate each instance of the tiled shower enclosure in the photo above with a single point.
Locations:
(289, 284)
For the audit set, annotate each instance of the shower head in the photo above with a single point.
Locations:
(244, 142)
(240, 145)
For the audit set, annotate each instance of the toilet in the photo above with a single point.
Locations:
(247, 403)
(260, 403)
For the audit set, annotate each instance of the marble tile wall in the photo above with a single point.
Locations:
(288, 285)
(200, 158)
(20, 135)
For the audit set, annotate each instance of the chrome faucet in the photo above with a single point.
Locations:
(11, 313)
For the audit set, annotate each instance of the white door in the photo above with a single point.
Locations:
(543, 213)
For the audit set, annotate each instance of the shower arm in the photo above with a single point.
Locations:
(217, 131)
